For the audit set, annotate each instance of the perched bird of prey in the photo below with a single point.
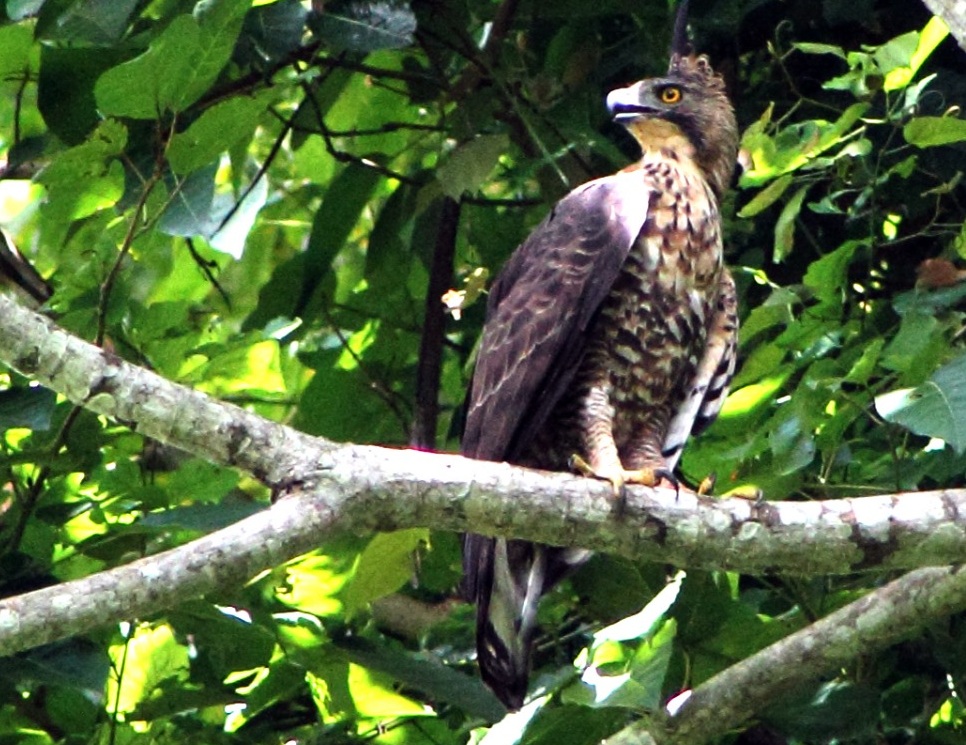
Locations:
(609, 338)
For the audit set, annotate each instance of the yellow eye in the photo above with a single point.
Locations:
(670, 94)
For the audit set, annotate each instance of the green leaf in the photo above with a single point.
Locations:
(347, 196)
(573, 725)
(814, 48)
(796, 146)
(865, 366)
(785, 225)
(384, 567)
(766, 197)
(826, 277)
(65, 91)
(901, 58)
(155, 82)
(935, 409)
(89, 21)
(366, 25)
(836, 711)
(631, 679)
(190, 211)
(469, 165)
(179, 66)
(234, 219)
(223, 639)
(425, 674)
(216, 131)
(270, 32)
(15, 51)
(87, 178)
(27, 407)
(151, 656)
(913, 350)
(932, 131)
(75, 663)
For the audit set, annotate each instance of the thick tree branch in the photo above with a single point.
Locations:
(388, 489)
(883, 617)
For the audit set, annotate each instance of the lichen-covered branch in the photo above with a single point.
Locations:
(885, 616)
(325, 485)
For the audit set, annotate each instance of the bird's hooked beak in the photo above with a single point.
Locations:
(624, 104)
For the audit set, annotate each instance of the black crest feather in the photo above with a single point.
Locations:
(680, 43)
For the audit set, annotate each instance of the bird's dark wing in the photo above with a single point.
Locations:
(540, 308)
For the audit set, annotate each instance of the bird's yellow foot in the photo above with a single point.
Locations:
(707, 484)
(620, 477)
(751, 493)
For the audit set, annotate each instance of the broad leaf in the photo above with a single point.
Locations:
(935, 409)
(386, 564)
(932, 131)
(366, 25)
(470, 164)
(26, 407)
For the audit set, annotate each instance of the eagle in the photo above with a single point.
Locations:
(609, 338)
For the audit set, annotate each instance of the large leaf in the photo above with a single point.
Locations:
(842, 711)
(26, 407)
(935, 409)
(270, 32)
(426, 675)
(385, 565)
(366, 25)
(178, 67)
(345, 200)
(65, 91)
(90, 21)
(932, 131)
(216, 131)
(15, 51)
(470, 164)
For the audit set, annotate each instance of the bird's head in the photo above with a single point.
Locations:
(687, 108)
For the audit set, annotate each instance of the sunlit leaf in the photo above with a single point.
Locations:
(902, 73)
(425, 674)
(932, 131)
(178, 66)
(384, 566)
(815, 48)
(15, 50)
(151, 656)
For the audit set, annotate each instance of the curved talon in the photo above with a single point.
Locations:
(620, 477)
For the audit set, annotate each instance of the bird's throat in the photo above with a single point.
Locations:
(661, 137)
